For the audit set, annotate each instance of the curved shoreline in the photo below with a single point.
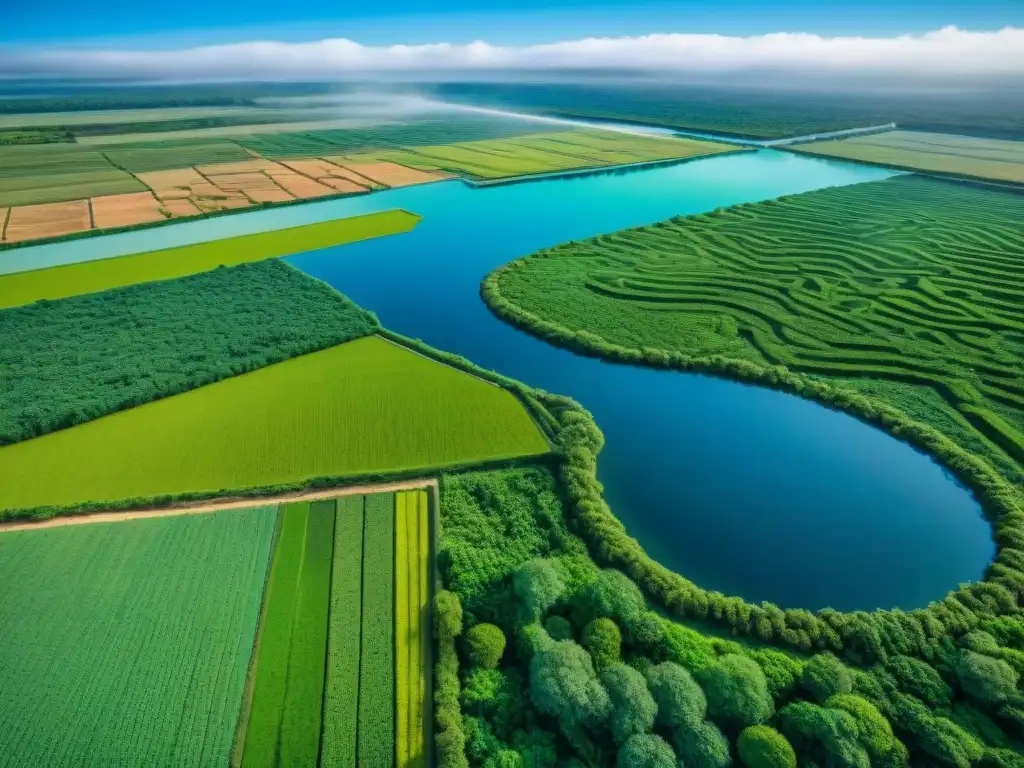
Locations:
(1001, 503)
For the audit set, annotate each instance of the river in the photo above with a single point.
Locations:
(744, 490)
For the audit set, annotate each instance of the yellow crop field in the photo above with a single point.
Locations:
(364, 407)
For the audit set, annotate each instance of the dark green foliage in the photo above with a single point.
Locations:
(504, 758)
(536, 747)
(481, 743)
(485, 644)
(702, 745)
(35, 136)
(449, 737)
(781, 670)
(919, 679)
(985, 678)
(120, 97)
(874, 732)
(686, 647)
(763, 747)
(537, 585)
(646, 750)
(497, 696)
(559, 628)
(633, 708)
(1002, 758)
(612, 595)
(602, 639)
(68, 361)
(831, 734)
(493, 523)
(680, 700)
(825, 675)
(737, 692)
(563, 684)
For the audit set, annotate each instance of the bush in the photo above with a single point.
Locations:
(985, 678)
(681, 702)
(818, 731)
(874, 732)
(612, 595)
(485, 644)
(919, 679)
(537, 585)
(559, 628)
(449, 737)
(781, 671)
(702, 745)
(563, 684)
(497, 696)
(646, 750)
(601, 637)
(633, 707)
(763, 747)
(737, 692)
(825, 675)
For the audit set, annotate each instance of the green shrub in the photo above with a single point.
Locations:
(681, 702)
(737, 692)
(825, 675)
(633, 708)
(612, 595)
(602, 639)
(559, 628)
(537, 585)
(646, 750)
(563, 684)
(702, 745)
(763, 747)
(985, 678)
(485, 644)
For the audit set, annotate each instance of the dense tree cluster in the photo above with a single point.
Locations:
(65, 362)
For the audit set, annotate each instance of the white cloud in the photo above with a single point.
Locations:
(946, 52)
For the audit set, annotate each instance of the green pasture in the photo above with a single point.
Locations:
(367, 406)
(991, 159)
(127, 643)
(91, 276)
(156, 158)
(907, 289)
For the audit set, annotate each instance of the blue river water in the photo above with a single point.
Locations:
(744, 490)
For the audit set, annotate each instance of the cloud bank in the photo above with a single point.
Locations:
(947, 52)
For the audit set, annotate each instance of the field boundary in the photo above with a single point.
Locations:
(229, 502)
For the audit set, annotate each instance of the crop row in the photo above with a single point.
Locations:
(341, 699)
(377, 660)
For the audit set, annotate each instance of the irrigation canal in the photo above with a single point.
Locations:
(744, 490)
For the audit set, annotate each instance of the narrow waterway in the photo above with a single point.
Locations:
(744, 490)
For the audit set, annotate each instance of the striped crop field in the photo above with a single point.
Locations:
(92, 276)
(496, 159)
(166, 687)
(412, 591)
(969, 156)
(307, 417)
(288, 680)
(908, 290)
(376, 742)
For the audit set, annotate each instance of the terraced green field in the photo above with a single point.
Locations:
(49, 174)
(365, 407)
(990, 159)
(127, 643)
(907, 289)
(91, 276)
(545, 153)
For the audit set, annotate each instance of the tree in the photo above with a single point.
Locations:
(737, 692)
(985, 678)
(919, 679)
(874, 731)
(702, 745)
(563, 684)
(505, 758)
(829, 733)
(447, 615)
(633, 707)
(602, 638)
(611, 595)
(485, 644)
(763, 747)
(680, 700)
(825, 675)
(538, 584)
(781, 671)
(559, 628)
(496, 695)
(646, 750)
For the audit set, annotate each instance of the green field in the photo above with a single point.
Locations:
(50, 173)
(141, 160)
(65, 362)
(288, 680)
(127, 643)
(368, 406)
(989, 159)
(544, 153)
(907, 289)
(91, 276)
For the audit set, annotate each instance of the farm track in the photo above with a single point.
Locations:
(217, 506)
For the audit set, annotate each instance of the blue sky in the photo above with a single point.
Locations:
(178, 22)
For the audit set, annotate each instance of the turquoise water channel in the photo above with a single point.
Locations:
(744, 490)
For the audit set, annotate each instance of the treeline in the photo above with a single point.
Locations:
(69, 361)
(116, 100)
(563, 663)
(21, 136)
